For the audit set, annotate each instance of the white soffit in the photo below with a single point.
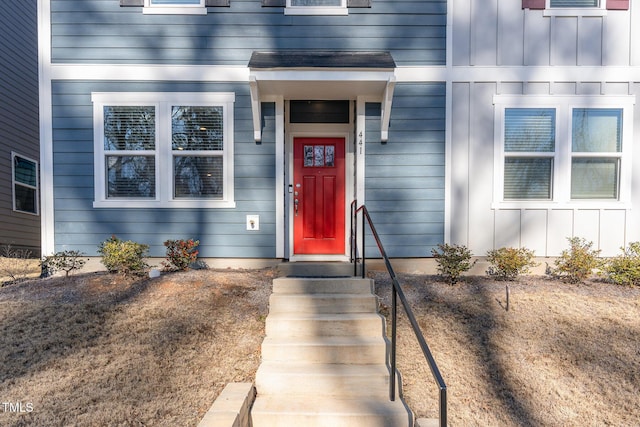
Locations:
(321, 76)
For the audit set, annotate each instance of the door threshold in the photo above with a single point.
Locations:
(319, 258)
(316, 269)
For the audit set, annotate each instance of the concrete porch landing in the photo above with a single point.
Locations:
(315, 269)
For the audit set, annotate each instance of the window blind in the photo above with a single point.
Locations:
(129, 128)
(527, 178)
(574, 3)
(530, 130)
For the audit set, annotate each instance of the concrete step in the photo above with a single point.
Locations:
(324, 358)
(316, 285)
(347, 350)
(323, 303)
(275, 378)
(290, 410)
(322, 325)
(427, 422)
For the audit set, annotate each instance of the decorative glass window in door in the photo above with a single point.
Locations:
(319, 156)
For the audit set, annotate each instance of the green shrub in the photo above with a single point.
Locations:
(453, 260)
(124, 257)
(578, 262)
(66, 261)
(180, 254)
(625, 269)
(509, 263)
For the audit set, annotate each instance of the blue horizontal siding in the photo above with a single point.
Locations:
(405, 176)
(100, 31)
(80, 226)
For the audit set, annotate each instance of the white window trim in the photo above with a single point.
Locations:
(177, 9)
(163, 101)
(14, 182)
(600, 10)
(316, 10)
(561, 179)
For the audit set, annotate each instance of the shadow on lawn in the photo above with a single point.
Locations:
(35, 333)
(478, 320)
(583, 342)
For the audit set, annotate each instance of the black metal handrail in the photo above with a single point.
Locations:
(397, 292)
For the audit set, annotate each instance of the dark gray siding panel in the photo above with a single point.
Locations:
(405, 176)
(98, 31)
(18, 115)
(221, 231)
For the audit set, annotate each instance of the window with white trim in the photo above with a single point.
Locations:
(567, 149)
(25, 184)
(575, 8)
(316, 7)
(163, 149)
(175, 7)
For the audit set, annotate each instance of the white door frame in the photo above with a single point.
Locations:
(354, 132)
(295, 130)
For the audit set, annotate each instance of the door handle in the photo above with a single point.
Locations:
(296, 201)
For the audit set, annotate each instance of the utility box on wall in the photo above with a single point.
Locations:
(253, 222)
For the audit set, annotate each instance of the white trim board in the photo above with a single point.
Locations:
(46, 128)
(409, 74)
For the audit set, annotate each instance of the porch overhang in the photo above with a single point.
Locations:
(321, 76)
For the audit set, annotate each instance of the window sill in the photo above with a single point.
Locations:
(174, 10)
(574, 204)
(18, 211)
(173, 204)
(319, 11)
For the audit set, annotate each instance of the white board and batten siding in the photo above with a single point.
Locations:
(500, 49)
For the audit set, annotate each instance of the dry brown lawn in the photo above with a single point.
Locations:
(96, 350)
(563, 355)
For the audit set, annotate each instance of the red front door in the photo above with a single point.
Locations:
(318, 195)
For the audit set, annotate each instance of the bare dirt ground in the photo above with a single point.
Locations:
(97, 350)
